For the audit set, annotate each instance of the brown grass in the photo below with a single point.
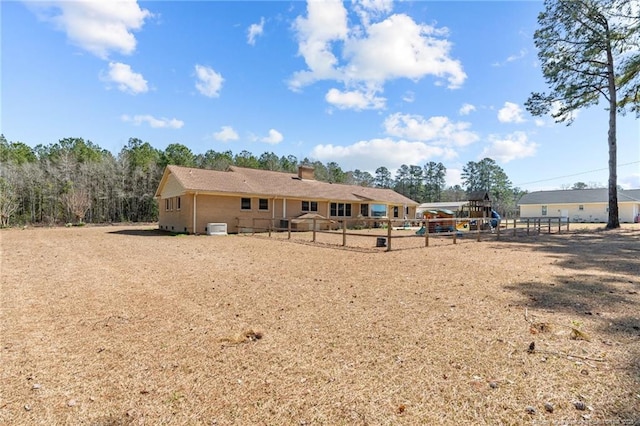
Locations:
(126, 325)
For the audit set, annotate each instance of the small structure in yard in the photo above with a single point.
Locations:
(454, 206)
(478, 206)
(307, 221)
(439, 220)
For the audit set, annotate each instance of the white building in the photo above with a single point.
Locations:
(580, 205)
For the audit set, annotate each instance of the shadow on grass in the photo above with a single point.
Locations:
(600, 282)
(144, 233)
(615, 251)
(604, 276)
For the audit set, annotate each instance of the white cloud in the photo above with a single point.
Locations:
(398, 47)
(466, 109)
(254, 31)
(370, 53)
(510, 113)
(325, 22)
(539, 122)
(156, 123)
(439, 130)
(209, 81)
(409, 97)
(569, 116)
(274, 138)
(369, 155)
(512, 58)
(371, 9)
(453, 177)
(510, 147)
(354, 100)
(226, 134)
(630, 181)
(98, 27)
(127, 80)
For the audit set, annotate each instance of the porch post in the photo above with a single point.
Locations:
(195, 194)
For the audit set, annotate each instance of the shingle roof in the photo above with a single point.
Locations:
(239, 180)
(573, 196)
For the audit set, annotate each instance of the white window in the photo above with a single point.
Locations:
(340, 209)
(309, 206)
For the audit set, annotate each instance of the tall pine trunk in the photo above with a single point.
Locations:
(614, 220)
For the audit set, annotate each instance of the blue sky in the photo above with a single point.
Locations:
(367, 83)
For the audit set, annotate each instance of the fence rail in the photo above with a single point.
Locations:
(389, 233)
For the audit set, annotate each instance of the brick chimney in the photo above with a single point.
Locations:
(306, 172)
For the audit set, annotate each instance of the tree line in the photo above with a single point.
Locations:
(76, 181)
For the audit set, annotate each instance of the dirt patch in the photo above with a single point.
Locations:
(127, 325)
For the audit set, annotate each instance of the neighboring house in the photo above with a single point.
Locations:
(189, 199)
(580, 205)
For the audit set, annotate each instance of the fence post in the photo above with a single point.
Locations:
(549, 227)
(344, 232)
(288, 229)
(389, 227)
(270, 225)
(426, 233)
(514, 226)
(498, 231)
(314, 230)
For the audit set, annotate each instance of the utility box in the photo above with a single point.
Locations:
(216, 229)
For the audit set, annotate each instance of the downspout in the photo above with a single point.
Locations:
(195, 194)
(284, 208)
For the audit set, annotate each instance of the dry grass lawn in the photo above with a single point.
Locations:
(126, 325)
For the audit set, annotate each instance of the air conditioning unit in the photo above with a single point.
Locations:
(216, 229)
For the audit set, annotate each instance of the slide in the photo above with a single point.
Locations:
(463, 226)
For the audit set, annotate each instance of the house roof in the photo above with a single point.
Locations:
(451, 205)
(578, 196)
(479, 196)
(240, 180)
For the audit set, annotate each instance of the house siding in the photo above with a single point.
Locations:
(218, 196)
(174, 219)
(227, 209)
(592, 212)
(172, 188)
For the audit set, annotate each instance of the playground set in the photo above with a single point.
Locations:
(469, 217)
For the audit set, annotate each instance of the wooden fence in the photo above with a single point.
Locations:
(390, 233)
